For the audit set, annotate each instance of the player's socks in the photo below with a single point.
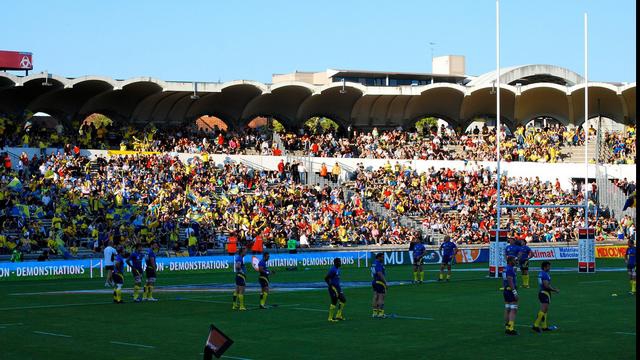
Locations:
(544, 323)
(332, 309)
(145, 293)
(633, 286)
(150, 292)
(441, 276)
(539, 318)
(115, 296)
(525, 281)
(118, 295)
(415, 276)
(241, 301)
(235, 300)
(263, 298)
(421, 276)
(375, 312)
(136, 292)
(448, 277)
(512, 326)
(381, 313)
(339, 312)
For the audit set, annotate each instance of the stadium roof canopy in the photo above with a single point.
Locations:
(528, 92)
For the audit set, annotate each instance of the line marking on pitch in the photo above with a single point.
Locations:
(51, 334)
(130, 344)
(411, 317)
(12, 324)
(625, 333)
(50, 306)
(234, 357)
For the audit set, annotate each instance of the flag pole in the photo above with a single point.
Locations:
(497, 123)
(586, 119)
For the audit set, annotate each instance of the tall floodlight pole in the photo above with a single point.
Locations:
(586, 119)
(497, 120)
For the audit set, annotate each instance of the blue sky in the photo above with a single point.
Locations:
(251, 39)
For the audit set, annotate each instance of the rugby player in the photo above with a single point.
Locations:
(118, 275)
(241, 280)
(524, 256)
(150, 273)
(109, 256)
(544, 295)
(419, 251)
(135, 263)
(263, 279)
(379, 285)
(513, 250)
(630, 260)
(335, 291)
(448, 251)
(510, 294)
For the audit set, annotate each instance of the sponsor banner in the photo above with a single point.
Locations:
(16, 60)
(465, 256)
(89, 268)
(616, 252)
(433, 257)
(554, 253)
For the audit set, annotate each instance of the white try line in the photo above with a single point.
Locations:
(50, 306)
(51, 334)
(594, 282)
(625, 333)
(130, 344)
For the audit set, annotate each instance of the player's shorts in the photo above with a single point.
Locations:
(379, 287)
(241, 279)
(118, 279)
(264, 281)
(335, 292)
(446, 260)
(508, 296)
(151, 275)
(137, 275)
(631, 269)
(109, 267)
(524, 265)
(418, 262)
(544, 297)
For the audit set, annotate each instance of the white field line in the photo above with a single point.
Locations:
(625, 333)
(130, 344)
(594, 282)
(51, 306)
(51, 334)
(412, 317)
(234, 357)
(12, 324)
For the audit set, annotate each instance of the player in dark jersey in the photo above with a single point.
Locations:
(241, 280)
(118, 275)
(263, 279)
(544, 295)
(335, 291)
(524, 256)
(630, 260)
(448, 251)
(513, 249)
(510, 294)
(150, 273)
(135, 263)
(419, 251)
(379, 285)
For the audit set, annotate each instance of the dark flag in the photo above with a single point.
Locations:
(217, 343)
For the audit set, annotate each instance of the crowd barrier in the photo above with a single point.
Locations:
(90, 268)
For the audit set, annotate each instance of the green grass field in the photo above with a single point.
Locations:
(461, 319)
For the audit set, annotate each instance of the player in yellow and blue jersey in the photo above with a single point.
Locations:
(419, 251)
(379, 285)
(448, 251)
(150, 273)
(263, 279)
(630, 260)
(118, 275)
(544, 295)
(335, 291)
(135, 263)
(510, 294)
(524, 256)
(241, 280)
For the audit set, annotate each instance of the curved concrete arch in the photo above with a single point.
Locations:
(73, 82)
(425, 88)
(8, 80)
(352, 85)
(258, 85)
(609, 104)
(511, 74)
(544, 100)
(312, 88)
(445, 102)
(229, 104)
(178, 112)
(564, 89)
(629, 97)
(330, 103)
(282, 103)
(145, 108)
(162, 109)
(604, 85)
(122, 102)
(361, 111)
(379, 111)
(503, 88)
(15, 99)
(397, 109)
(481, 102)
(41, 76)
